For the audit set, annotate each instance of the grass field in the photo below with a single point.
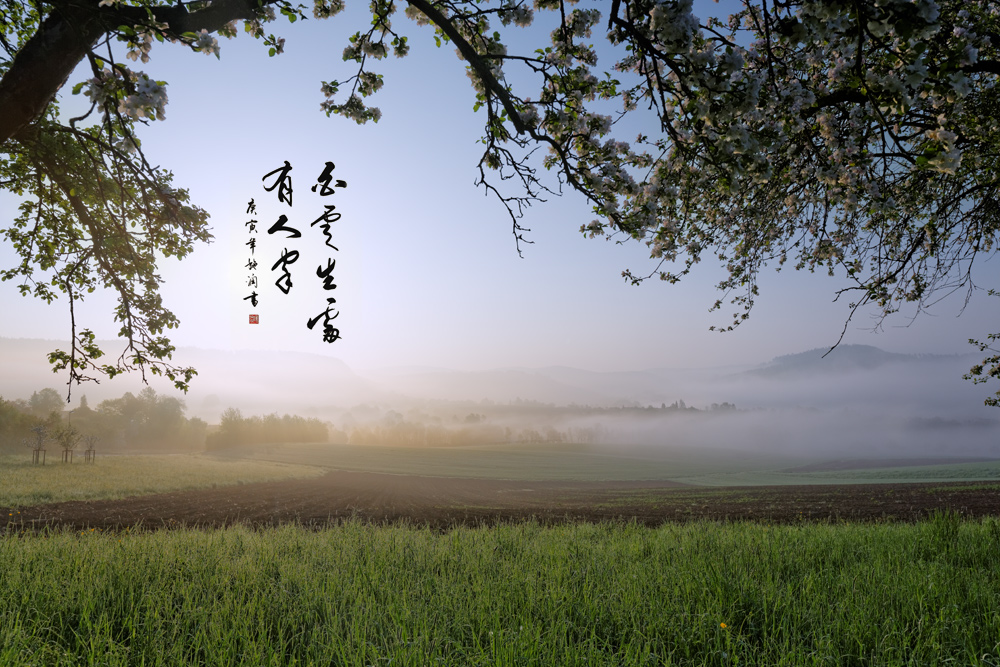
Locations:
(121, 476)
(354, 593)
(607, 594)
(956, 472)
(586, 462)
(529, 462)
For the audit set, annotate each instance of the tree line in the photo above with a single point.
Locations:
(235, 430)
(143, 421)
(393, 430)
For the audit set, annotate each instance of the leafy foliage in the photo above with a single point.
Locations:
(990, 366)
(857, 138)
(131, 422)
(45, 402)
(68, 438)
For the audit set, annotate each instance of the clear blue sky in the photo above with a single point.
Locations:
(427, 270)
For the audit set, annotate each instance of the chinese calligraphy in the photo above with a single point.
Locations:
(252, 263)
(283, 182)
(284, 282)
(280, 179)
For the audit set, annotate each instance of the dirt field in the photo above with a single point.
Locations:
(447, 502)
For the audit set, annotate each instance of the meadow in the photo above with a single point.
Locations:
(569, 461)
(22, 483)
(578, 594)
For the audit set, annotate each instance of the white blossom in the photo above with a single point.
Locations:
(100, 88)
(206, 43)
(520, 16)
(148, 101)
(324, 9)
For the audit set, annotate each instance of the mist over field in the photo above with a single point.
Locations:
(858, 401)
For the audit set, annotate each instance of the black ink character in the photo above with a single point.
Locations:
(279, 226)
(325, 274)
(283, 182)
(324, 180)
(252, 298)
(284, 282)
(328, 217)
(330, 333)
(252, 282)
(252, 264)
(251, 207)
(253, 226)
(252, 243)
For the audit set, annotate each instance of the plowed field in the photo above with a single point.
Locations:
(447, 502)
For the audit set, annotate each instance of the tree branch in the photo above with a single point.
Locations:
(474, 60)
(990, 66)
(42, 66)
(62, 40)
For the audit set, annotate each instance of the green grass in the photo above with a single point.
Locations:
(607, 594)
(567, 461)
(537, 461)
(986, 470)
(23, 484)
(954, 472)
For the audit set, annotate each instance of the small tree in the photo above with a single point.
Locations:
(68, 438)
(37, 444)
(90, 454)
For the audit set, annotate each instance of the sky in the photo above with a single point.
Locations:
(427, 270)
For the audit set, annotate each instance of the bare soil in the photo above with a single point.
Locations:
(442, 503)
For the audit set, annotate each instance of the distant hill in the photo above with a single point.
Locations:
(843, 359)
(261, 382)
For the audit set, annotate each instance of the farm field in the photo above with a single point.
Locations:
(446, 502)
(534, 461)
(565, 461)
(860, 474)
(341, 567)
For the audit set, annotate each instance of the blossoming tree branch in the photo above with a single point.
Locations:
(858, 138)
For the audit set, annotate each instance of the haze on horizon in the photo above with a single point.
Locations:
(858, 402)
